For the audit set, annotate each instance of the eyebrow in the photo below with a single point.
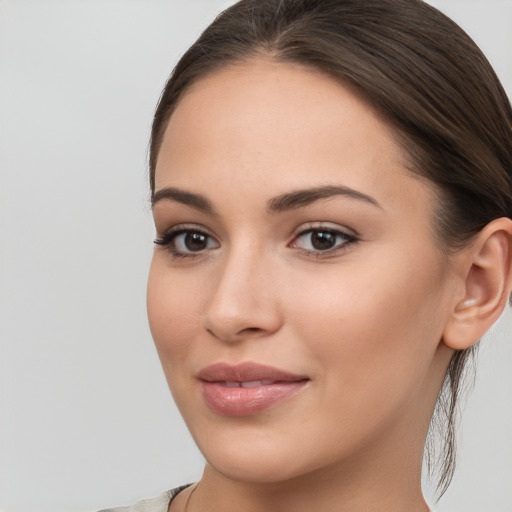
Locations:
(181, 196)
(302, 198)
(282, 203)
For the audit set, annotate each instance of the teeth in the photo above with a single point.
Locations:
(248, 384)
(253, 383)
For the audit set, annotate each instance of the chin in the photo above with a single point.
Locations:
(262, 455)
(249, 452)
(255, 467)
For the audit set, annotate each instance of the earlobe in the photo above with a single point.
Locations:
(487, 285)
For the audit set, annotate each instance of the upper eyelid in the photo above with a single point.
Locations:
(183, 227)
(348, 236)
(302, 229)
(325, 225)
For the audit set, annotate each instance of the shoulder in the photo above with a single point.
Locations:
(158, 504)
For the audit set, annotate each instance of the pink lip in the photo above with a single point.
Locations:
(257, 387)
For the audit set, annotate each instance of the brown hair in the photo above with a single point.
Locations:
(422, 72)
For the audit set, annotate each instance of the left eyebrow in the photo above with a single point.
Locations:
(302, 198)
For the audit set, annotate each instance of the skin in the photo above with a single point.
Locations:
(364, 322)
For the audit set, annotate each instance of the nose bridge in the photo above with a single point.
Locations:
(243, 302)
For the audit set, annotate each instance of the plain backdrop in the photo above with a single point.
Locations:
(86, 420)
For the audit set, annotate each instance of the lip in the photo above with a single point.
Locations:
(246, 388)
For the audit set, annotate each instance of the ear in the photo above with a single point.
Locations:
(486, 270)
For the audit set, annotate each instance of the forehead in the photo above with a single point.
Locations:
(273, 95)
(281, 124)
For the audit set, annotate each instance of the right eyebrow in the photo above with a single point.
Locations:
(196, 201)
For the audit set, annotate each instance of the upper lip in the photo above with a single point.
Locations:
(246, 372)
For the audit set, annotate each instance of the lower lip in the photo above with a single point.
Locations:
(241, 401)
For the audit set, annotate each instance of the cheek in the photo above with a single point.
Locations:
(376, 323)
(174, 311)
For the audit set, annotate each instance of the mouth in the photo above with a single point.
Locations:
(248, 384)
(247, 388)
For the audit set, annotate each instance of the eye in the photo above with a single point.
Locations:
(185, 242)
(322, 240)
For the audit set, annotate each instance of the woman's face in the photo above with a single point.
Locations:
(298, 297)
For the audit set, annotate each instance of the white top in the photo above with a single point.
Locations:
(158, 504)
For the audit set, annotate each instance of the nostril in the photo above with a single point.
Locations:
(250, 330)
(247, 330)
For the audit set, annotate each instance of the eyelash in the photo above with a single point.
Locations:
(168, 240)
(347, 241)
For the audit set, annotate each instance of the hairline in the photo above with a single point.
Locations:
(405, 144)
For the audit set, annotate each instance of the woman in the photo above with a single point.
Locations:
(331, 192)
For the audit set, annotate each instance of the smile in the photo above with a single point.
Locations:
(247, 388)
(249, 384)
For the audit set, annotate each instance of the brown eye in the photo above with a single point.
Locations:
(322, 240)
(195, 241)
(187, 242)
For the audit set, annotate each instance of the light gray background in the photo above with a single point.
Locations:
(86, 418)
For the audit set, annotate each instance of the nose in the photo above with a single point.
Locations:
(244, 302)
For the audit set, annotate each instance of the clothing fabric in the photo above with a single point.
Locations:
(158, 504)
